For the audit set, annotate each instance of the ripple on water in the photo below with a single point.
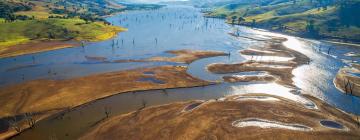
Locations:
(262, 123)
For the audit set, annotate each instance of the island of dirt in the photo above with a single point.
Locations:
(279, 71)
(347, 80)
(181, 56)
(41, 95)
(35, 47)
(230, 118)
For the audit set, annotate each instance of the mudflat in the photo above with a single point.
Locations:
(43, 95)
(35, 47)
(230, 118)
(279, 71)
(181, 56)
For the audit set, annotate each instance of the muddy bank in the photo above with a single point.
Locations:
(35, 47)
(347, 80)
(40, 95)
(229, 118)
(279, 70)
(181, 56)
(11, 126)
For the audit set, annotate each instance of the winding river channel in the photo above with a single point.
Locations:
(152, 33)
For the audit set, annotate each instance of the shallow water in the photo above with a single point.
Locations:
(174, 27)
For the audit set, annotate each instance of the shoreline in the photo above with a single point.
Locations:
(180, 79)
(49, 45)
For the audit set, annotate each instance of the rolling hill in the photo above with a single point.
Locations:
(329, 19)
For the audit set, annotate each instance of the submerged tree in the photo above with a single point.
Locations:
(253, 23)
(30, 120)
(14, 124)
(107, 111)
(233, 18)
(240, 19)
(310, 28)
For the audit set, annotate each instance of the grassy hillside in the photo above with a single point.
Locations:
(54, 29)
(330, 19)
(24, 21)
(34, 20)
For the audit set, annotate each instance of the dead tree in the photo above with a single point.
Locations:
(30, 120)
(14, 124)
(351, 87)
(107, 111)
(53, 137)
(328, 52)
(346, 84)
(165, 92)
(143, 104)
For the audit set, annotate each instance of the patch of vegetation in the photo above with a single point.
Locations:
(13, 33)
(332, 19)
(33, 20)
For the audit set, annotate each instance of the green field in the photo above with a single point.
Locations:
(24, 22)
(295, 18)
(54, 29)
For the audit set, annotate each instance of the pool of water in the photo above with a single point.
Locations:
(151, 79)
(331, 124)
(151, 33)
